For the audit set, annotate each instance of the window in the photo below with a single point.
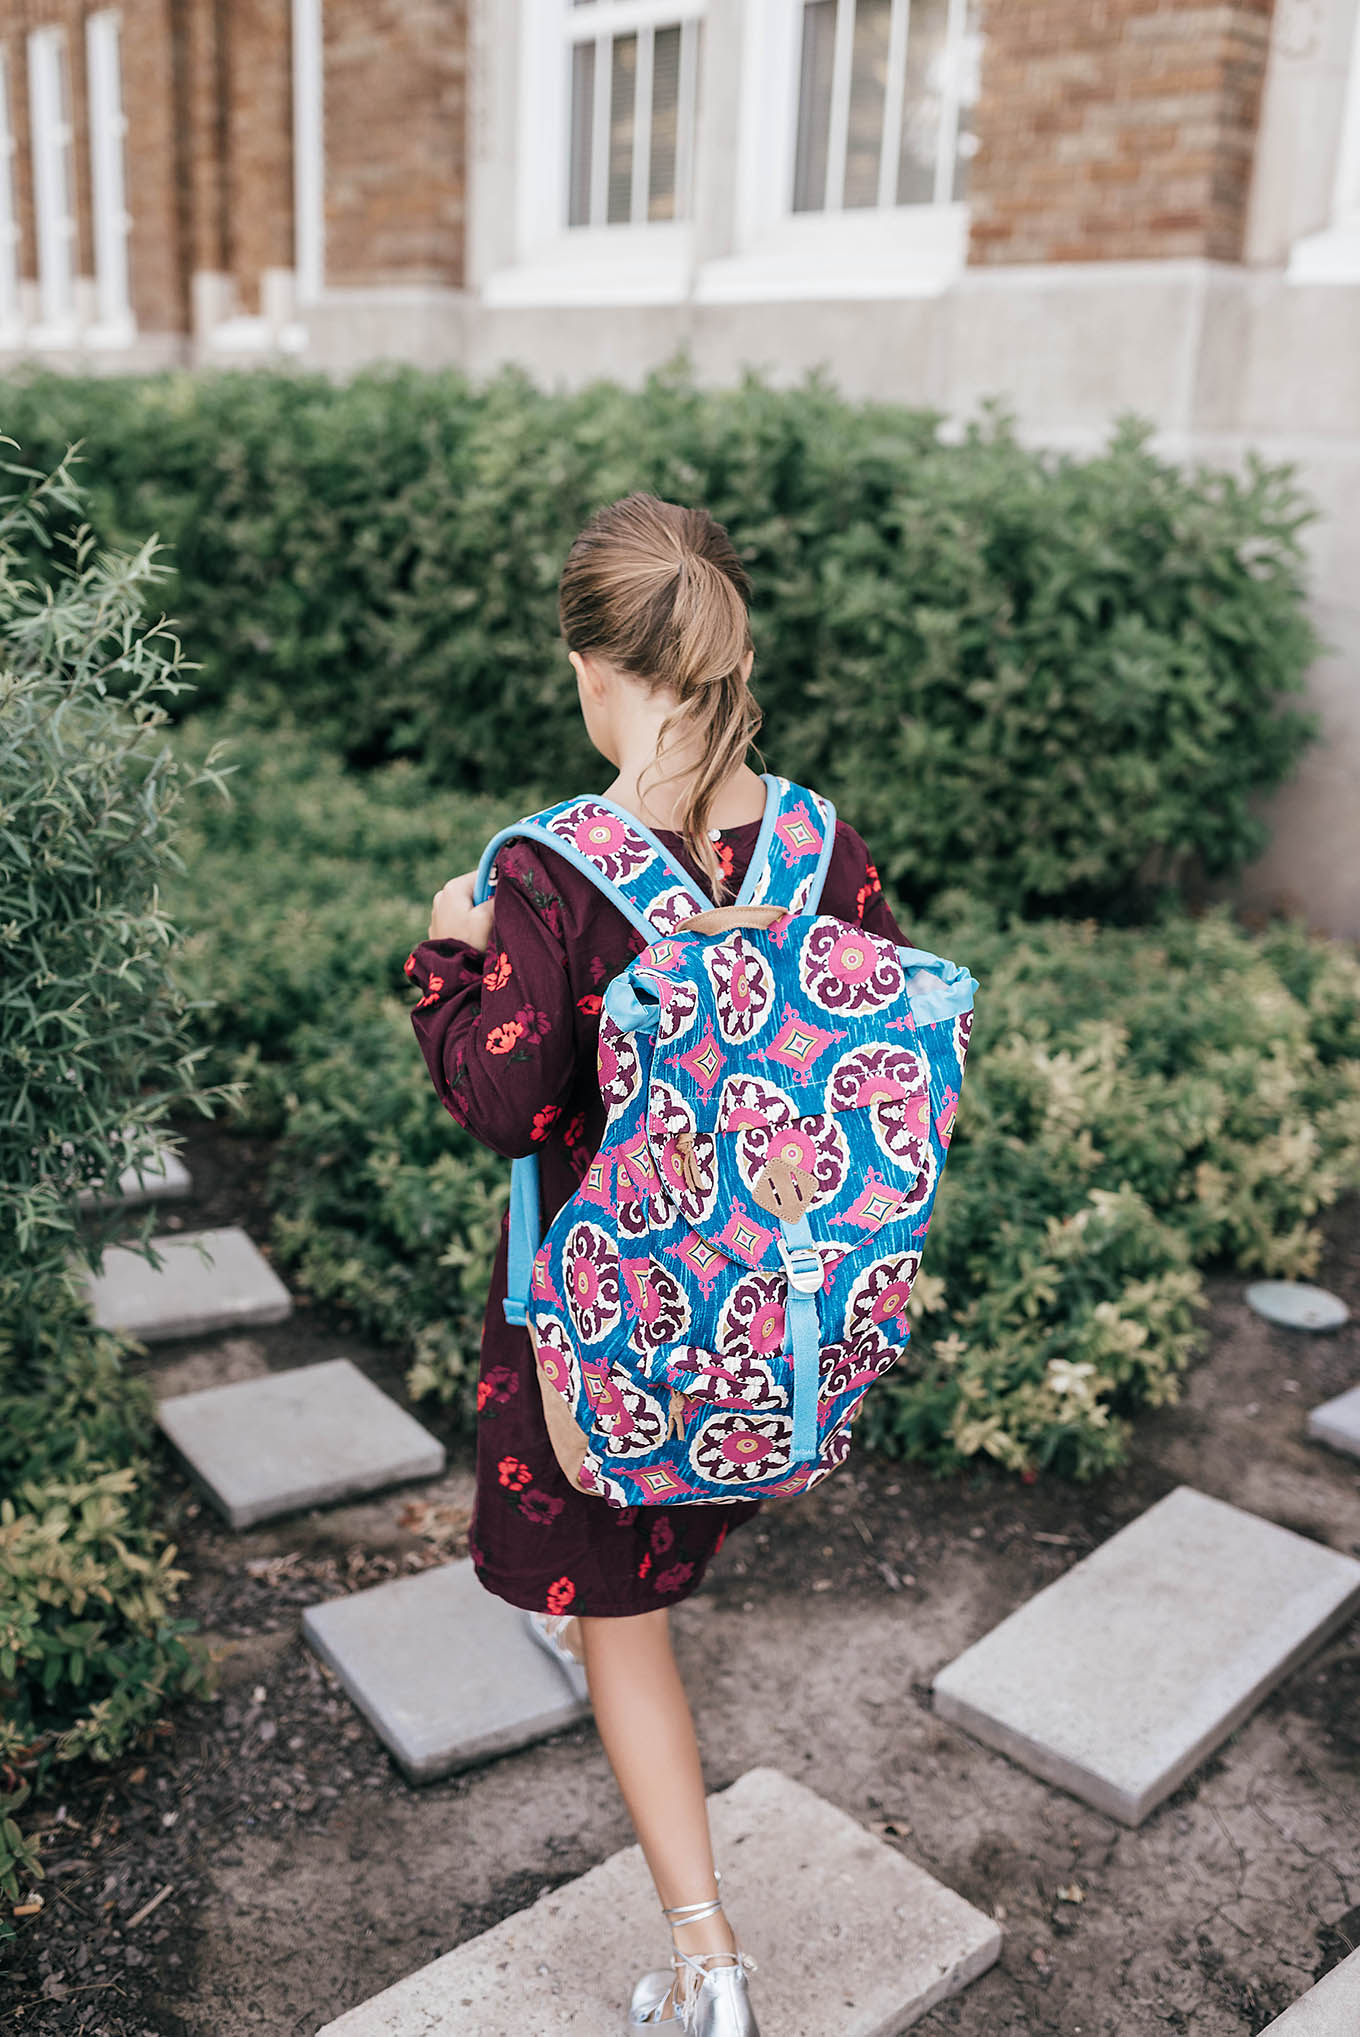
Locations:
(1333, 255)
(108, 126)
(49, 91)
(632, 78)
(9, 224)
(885, 89)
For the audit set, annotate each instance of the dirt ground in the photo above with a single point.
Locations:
(261, 1865)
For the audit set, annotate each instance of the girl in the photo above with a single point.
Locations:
(653, 607)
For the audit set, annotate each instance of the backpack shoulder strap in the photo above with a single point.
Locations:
(621, 857)
(793, 849)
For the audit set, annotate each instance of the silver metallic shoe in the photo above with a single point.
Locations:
(546, 1629)
(708, 2001)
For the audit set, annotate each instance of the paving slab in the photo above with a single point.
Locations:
(188, 1295)
(158, 1180)
(1120, 1677)
(1337, 1422)
(1331, 2009)
(267, 1446)
(851, 1938)
(446, 1674)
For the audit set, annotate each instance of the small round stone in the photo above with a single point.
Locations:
(1297, 1305)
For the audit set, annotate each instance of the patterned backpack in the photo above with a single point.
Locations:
(733, 1272)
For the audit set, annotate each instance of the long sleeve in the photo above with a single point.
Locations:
(870, 903)
(498, 1029)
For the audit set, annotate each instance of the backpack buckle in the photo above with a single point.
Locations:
(803, 1266)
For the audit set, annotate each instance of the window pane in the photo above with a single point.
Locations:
(969, 80)
(582, 125)
(921, 104)
(814, 105)
(623, 89)
(868, 79)
(665, 123)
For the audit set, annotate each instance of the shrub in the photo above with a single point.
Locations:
(1139, 1103)
(94, 1053)
(382, 1208)
(1056, 681)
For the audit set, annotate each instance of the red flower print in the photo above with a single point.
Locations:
(541, 1507)
(436, 984)
(572, 1132)
(409, 965)
(590, 1004)
(502, 1038)
(867, 889)
(598, 968)
(513, 1473)
(663, 1535)
(499, 1385)
(672, 1579)
(544, 1120)
(535, 1025)
(560, 1595)
(722, 1537)
(645, 1564)
(495, 974)
(725, 856)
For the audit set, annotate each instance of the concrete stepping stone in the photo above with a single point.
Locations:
(158, 1180)
(446, 1674)
(1118, 1679)
(1337, 1422)
(302, 1438)
(1331, 2009)
(188, 1296)
(852, 1939)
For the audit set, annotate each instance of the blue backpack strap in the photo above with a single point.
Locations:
(793, 849)
(624, 860)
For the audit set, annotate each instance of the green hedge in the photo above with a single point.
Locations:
(95, 1051)
(1139, 1103)
(1056, 681)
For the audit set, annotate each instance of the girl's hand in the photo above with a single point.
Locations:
(454, 917)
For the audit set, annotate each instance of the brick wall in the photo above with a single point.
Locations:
(256, 68)
(1115, 129)
(396, 92)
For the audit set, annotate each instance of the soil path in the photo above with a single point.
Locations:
(297, 1873)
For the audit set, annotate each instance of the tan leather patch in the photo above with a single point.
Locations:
(569, 1443)
(721, 919)
(784, 1190)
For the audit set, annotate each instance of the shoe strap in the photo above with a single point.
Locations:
(695, 1913)
(691, 1913)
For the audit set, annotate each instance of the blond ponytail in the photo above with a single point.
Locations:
(659, 591)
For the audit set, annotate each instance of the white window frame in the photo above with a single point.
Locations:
(642, 261)
(53, 193)
(11, 313)
(1333, 256)
(108, 188)
(887, 250)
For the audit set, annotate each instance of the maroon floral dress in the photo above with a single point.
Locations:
(510, 1039)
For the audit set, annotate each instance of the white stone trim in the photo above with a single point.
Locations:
(11, 316)
(1333, 256)
(114, 326)
(309, 151)
(53, 198)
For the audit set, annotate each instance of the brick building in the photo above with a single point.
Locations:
(1083, 206)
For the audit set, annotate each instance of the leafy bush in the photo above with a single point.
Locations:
(383, 1208)
(94, 1053)
(1139, 1103)
(1056, 681)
